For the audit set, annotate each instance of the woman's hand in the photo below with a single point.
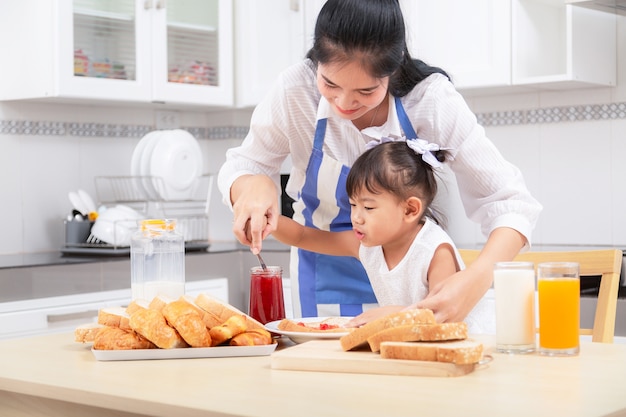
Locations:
(453, 298)
(255, 209)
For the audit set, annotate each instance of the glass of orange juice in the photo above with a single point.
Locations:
(558, 285)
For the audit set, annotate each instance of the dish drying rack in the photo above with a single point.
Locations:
(149, 197)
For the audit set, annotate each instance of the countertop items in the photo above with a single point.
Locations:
(55, 376)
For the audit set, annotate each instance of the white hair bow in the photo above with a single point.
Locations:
(419, 146)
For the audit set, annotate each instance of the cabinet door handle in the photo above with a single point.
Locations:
(294, 5)
(56, 318)
(160, 4)
(147, 4)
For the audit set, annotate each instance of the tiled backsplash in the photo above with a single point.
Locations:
(588, 112)
(45, 128)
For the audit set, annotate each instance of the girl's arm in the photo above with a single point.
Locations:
(442, 266)
(293, 233)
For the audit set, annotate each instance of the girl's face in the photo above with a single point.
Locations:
(349, 89)
(377, 219)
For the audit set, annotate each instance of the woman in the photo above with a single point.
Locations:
(359, 83)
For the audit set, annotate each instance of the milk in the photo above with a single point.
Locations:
(514, 285)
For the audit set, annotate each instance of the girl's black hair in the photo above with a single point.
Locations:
(372, 31)
(396, 168)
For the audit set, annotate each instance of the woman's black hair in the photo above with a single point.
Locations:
(372, 31)
(396, 168)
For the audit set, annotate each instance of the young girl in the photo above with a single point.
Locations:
(395, 232)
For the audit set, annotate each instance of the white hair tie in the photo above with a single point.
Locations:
(419, 146)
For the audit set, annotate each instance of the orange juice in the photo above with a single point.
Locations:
(559, 313)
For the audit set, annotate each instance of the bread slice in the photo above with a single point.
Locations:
(160, 301)
(459, 352)
(210, 320)
(358, 337)
(188, 322)
(137, 304)
(114, 317)
(86, 333)
(224, 311)
(419, 333)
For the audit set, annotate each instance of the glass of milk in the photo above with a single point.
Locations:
(514, 286)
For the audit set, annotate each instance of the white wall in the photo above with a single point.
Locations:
(576, 169)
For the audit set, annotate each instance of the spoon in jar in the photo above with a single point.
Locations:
(261, 261)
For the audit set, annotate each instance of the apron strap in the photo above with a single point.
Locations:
(320, 132)
(405, 123)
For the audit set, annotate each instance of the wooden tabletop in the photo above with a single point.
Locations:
(54, 376)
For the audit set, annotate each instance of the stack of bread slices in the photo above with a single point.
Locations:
(165, 323)
(414, 335)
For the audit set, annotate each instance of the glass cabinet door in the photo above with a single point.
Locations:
(104, 50)
(104, 39)
(193, 51)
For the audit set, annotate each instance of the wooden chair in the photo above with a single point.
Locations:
(606, 263)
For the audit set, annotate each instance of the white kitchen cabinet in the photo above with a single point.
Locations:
(269, 37)
(491, 46)
(65, 313)
(132, 51)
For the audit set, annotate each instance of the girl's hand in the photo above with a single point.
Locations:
(255, 209)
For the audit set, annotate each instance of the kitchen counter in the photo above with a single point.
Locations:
(54, 376)
(26, 260)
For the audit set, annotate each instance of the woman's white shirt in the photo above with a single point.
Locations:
(492, 190)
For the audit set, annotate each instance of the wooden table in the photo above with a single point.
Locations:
(54, 376)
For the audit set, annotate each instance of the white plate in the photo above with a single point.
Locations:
(177, 160)
(301, 337)
(140, 159)
(183, 353)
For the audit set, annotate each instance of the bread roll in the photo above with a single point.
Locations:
(115, 338)
(186, 320)
(459, 352)
(160, 301)
(358, 337)
(210, 319)
(419, 333)
(152, 325)
(230, 328)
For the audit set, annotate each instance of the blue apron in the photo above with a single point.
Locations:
(325, 279)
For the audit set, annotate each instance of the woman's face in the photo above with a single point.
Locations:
(350, 89)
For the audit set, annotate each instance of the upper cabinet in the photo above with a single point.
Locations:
(269, 37)
(493, 46)
(133, 51)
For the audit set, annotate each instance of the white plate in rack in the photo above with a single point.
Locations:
(139, 162)
(177, 160)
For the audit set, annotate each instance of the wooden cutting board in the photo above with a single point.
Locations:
(327, 356)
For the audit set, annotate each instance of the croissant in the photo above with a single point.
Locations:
(253, 337)
(152, 325)
(114, 338)
(230, 328)
(186, 320)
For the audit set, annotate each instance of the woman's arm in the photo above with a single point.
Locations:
(453, 298)
(293, 233)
